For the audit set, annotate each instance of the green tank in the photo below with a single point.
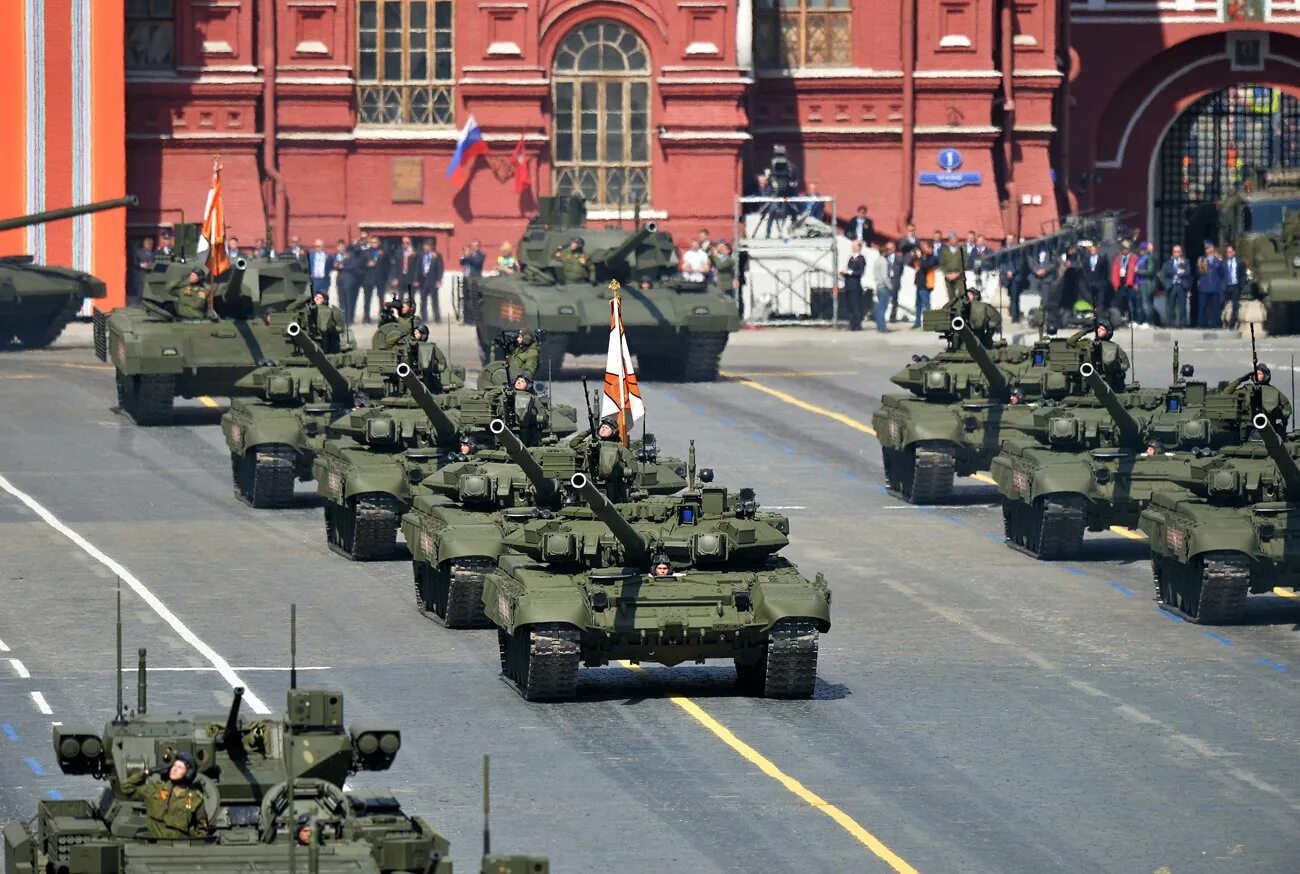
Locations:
(679, 327)
(455, 526)
(37, 301)
(159, 356)
(369, 469)
(1263, 222)
(1231, 531)
(1090, 468)
(264, 794)
(576, 589)
(960, 408)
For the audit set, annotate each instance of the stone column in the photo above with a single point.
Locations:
(745, 34)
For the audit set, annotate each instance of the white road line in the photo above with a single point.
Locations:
(41, 705)
(153, 670)
(214, 658)
(19, 668)
(3, 648)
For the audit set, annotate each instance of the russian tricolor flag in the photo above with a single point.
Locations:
(469, 145)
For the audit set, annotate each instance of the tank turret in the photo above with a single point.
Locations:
(234, 283)
(340, 388)
(614, 257)
(996, 379)
(52, 215)
(634, 544)
(1277, 450)
(1130, 431)
(519, 454)
(444, 427)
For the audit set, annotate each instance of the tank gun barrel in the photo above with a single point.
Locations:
(1130, 432)
(1277, 451)
(54, 215)
(230, 737)
(520, 455)
(443, 426)
(340, 389)
(235, 281)
(634, 544)
(612, 257)
(996, 379)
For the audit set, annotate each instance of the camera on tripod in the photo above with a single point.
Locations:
(783, 172)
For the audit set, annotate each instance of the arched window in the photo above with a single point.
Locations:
(792, 34)
(601, 140)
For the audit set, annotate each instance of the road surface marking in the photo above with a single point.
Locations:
(35, 766)
(984, 478)
(3, 646)
(742, 374)
(41, 705)
(202, 670)
(208, 402)
(803, 405)
(164, 612)
(1125, 532)
(19, 668)
(10, 732)
(1286, 593)
(812, 799)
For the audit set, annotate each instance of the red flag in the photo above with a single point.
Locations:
(212, 239)
(520, 163)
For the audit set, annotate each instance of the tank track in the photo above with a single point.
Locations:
(150, 398)
(1050, 530)
(264, 476)
(703, 356)
(365, 529)
(101, 334)
(39, 333)
(789, 667)
(453, 596)
(542, 661)
(922, 474)
(1217, 584)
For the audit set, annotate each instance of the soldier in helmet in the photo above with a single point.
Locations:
(661, 566)
(190, 296)
(1105, 354)
(466, 446)
(323, 322)
(574, 264)
(1265, 397)
(984, 319)
(172, 803)
(526, 355)
(607, 430)
(398, 324)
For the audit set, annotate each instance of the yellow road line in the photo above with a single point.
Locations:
(803, 405)
(1125, 532)
(984, 478)
(208, 402)
(768, 767)
(739, 374)
(1286, 593)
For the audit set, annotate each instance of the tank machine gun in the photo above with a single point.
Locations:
(38, 301)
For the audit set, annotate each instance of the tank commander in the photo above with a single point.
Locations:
(526, 355)
(574, 264)
(1106, 355)
(304, 830)
(466, 446)
(984, 319)
(661, 567)
(1265, 397)
(173, 805)
(397, 324)
(190, 296)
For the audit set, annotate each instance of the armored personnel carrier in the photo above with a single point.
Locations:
(1263, 222)
(1231, 531)
(38, 301)
(678, 326)
(256, 795)
(1088, 468)
(455, 526)
(369, 468)
(669, 579)
(159, 356)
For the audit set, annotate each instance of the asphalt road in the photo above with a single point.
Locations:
(977, 711)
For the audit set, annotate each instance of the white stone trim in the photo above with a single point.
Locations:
(1035, 128)
(613, 215)
(831, 73)
(506, 48)
(212, 135)
(316, 80)
(502, 68)
(312, 136)
(1153, 19)
(848, 130)
(1023, 39)
(956, 129)
(954, 41)
(502, 80)
(304, 68)
(311, 47)
(957, 74)
(201, 79)
(692, 68)
(702, 48)
(720, 136)
(1040, 73)
(217, 47)
(703, 80)
(397, 226)
(225, 68)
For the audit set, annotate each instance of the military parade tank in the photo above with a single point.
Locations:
(37, 301)
(1231, 531)
(1263, 222)
(576, 589)
(368, 469)
(1089, 468)
(256, 795)
(159, 356)
(456, 525)
(678, 326)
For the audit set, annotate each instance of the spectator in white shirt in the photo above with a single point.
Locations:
(695, 263)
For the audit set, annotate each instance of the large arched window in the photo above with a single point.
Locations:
(601, 141)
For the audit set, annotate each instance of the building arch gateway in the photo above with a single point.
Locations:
(600, 123)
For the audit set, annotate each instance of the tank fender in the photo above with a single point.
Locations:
(1218, 529)
(907, 425)
(482, 540)
(791, 598)
(263, 430)
(510, 608)
(337, 482)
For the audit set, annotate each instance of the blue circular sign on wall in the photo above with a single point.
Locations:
(949, 159)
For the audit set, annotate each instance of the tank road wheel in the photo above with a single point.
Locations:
(37, 333)
(148, 399)
(365, 528)
(542, 661)
(1210, 591)
(264, 476)
(788, 665)
(925, 472)
(453, 592)
(1055, 529)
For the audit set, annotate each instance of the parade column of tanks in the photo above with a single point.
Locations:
(38, 301)
(677, 327)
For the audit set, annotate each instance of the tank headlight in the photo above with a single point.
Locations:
(1295, 261)
(567, 310)
(169, 351)
(701, 311)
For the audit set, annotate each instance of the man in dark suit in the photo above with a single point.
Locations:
(852, 273)
(373, 273)
(813, 209)
(1096, 277)
(346, 279)
(909, 242)
(429, 269)
(319, 267)
(296, 251)
(166, 250)
(861, 228)
(1011, 276)
(1234, 276)
(1177, 275)
(894, 263)
(141, 265)
(1210, 286)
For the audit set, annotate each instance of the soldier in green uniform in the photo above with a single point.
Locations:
(323, 322)
(190, 297)
(952, 264)
(526, 356)
(397, 324)
(1265, 398)
(1110, 360)
(574, 265)
(984, 319)
(724, 265)
(174, 806)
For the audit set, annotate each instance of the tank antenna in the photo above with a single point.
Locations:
(1175, 361)
(690, 467)
(293, 646)
(487, 828)
(1293, 400)
(121, 717)
(1254, 358)
(1132, 353)
(142, 682)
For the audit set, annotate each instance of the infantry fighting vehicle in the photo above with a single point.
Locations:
(37, 301)
(262, 781)
(1263, 222)
(273, 439)
(575, 589)
(1233, 531)
(159, 356)
(455, 526)
(678, 326)
(959, 410)
(1089, 468)
(369, 468)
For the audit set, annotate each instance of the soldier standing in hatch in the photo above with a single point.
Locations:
(1266, 398)
(174, 806)
(190, 296)
(574, 264)
(526, 355)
